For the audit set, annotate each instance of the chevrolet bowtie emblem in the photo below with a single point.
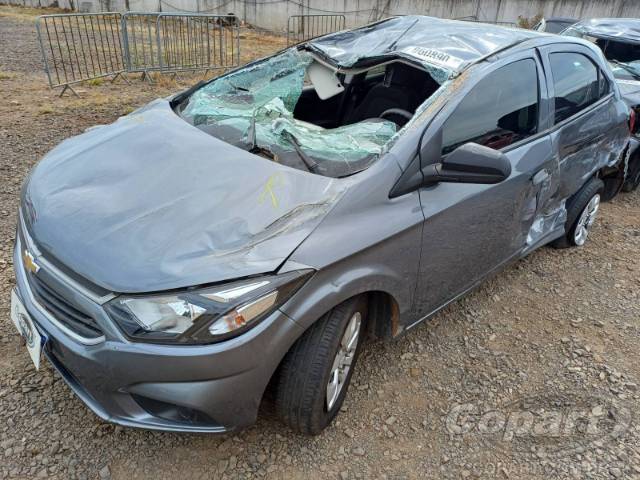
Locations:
(30, 262)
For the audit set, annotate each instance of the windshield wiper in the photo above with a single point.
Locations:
(628, 68)
(251, 134)
(311, 165)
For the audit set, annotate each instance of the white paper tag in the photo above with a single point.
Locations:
(434, 57)
(27, 329)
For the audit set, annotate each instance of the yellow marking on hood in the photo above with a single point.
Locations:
(273, 181)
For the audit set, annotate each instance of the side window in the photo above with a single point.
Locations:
(500, 110)
(575, 81)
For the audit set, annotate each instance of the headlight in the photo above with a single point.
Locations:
(208, 315)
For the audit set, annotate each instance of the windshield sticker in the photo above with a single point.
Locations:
(434, 57)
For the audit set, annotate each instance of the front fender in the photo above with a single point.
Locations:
(332, 286)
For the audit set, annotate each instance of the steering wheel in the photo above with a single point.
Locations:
(397, 112)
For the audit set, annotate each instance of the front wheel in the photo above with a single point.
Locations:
(315, 373)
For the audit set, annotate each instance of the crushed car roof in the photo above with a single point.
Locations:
(441, 43)
(614, 28)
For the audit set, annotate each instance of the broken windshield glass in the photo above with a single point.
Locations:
(252, 108)
(335, 104)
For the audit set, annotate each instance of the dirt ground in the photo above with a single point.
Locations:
(556, 332)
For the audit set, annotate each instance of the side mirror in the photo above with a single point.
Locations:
(470, 163)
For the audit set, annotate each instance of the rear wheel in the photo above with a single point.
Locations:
(315, 374)
(582, 211)
(633, 175)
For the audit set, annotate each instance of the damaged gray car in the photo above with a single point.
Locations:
(240, 240)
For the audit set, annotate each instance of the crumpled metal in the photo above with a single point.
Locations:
(443, 47)
(623, 29)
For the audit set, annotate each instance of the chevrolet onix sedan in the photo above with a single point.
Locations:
(246, 235)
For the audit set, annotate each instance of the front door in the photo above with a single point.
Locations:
(470, 229)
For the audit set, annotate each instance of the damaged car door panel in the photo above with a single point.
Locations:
(587, 124)
(249, 233)
(619, 41)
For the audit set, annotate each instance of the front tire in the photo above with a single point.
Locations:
(315, 374)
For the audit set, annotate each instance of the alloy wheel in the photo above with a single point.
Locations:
(586, 220)
(343, 359)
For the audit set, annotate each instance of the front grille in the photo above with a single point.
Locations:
(65, 313)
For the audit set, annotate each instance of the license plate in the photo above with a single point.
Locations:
(27, 329)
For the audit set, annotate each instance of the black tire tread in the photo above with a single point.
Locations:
(633, 180)
(299, 400)
(575, 205)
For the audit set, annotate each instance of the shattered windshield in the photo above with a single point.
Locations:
(625, 70)
(335, 104)
(253, 108)
(623, 57)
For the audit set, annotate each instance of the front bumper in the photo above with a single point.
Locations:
(209, 388)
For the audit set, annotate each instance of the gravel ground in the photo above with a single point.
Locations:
(556, 333)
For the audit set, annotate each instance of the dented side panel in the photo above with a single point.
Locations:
(589, 143)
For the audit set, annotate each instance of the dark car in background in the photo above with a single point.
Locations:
(247, 234)
(619, 40)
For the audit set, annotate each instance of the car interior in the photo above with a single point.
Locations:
(359, 110)
(387, 92)
(621, 51)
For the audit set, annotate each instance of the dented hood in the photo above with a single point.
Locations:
(151, 203)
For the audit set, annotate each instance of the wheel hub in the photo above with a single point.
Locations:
(586, 220)
(343, 359)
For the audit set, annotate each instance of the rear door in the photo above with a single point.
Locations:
(589, 128)
(470, 229)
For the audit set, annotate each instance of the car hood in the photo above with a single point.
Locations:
(151, 203)
(630, 91)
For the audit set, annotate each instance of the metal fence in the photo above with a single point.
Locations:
(301, 28)
(80, 47)
(197, 42)
(140, 42)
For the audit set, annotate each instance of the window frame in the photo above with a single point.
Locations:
(529, 54)
(591, 56)
(598, 72)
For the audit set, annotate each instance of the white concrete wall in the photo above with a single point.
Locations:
(273, 14)
(71, 5)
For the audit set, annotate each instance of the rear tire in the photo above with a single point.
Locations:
(633, 175)
(315, 374)
(581, 214)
